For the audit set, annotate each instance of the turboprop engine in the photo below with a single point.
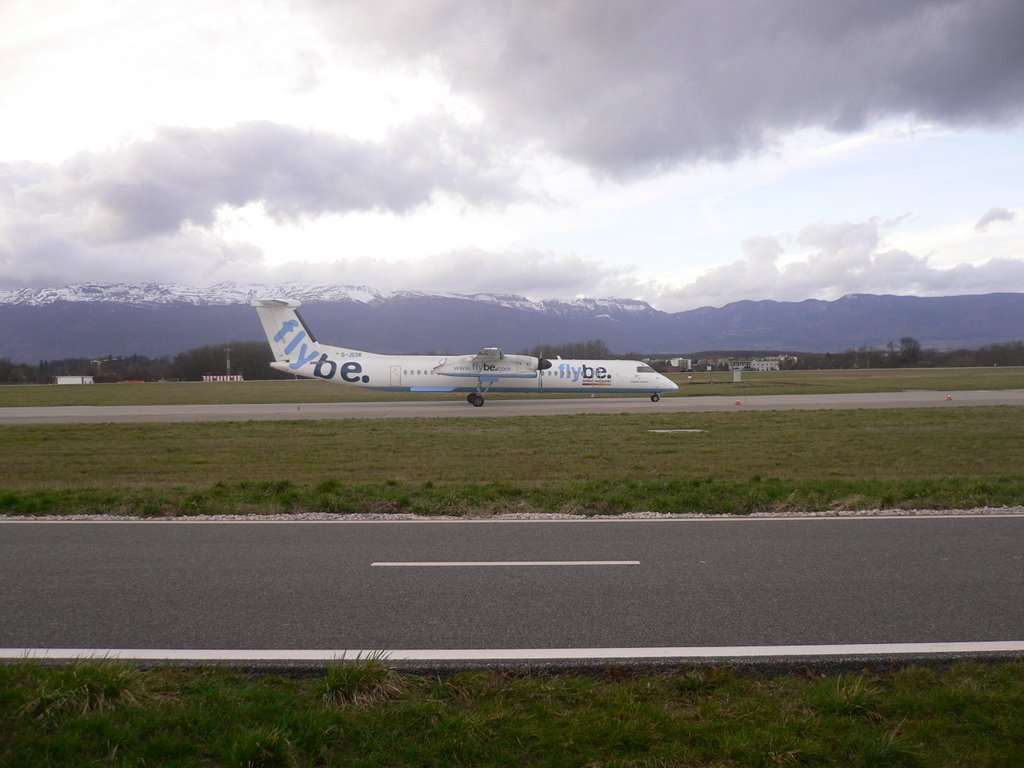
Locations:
(492, 362)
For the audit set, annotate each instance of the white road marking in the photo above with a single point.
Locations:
(498, 563)
(1010, 512)
(516, 654)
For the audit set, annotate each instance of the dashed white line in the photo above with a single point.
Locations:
(499, 563)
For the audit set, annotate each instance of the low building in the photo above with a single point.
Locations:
(72, 380)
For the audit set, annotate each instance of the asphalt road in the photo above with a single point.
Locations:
(537, 406)
(603, 584)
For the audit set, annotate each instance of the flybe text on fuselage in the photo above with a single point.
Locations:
(325, 367)
(585, 372)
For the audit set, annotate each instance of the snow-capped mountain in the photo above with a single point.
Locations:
(155, 294)
(227, 293)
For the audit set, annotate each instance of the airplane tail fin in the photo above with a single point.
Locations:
(283, 325)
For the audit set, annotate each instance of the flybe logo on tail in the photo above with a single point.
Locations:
(325, 368)
(305, 354)
(286, 327)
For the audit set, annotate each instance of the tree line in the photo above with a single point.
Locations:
(908, 353)
(252, 360)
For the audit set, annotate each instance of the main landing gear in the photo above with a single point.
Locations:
(476, 399)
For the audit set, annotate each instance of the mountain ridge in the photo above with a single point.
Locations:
(163, 319)
(226, 293)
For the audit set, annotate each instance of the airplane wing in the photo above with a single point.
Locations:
(490, 364)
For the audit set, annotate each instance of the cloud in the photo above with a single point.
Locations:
(994, 214)
(29, 257)
(824, 260)
(150, 200)
(628, 88)
(526, 272)
(183, 175)
(843, 258)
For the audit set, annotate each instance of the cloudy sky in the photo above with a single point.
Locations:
(686, 153)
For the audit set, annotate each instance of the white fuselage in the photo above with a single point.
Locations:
(460, 373)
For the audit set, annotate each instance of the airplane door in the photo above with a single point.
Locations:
(396, 375)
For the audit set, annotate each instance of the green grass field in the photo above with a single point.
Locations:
(736, 462)
(365, 714)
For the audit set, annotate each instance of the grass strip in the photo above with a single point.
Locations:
(364, 714)
(597, 497)
(737, 462)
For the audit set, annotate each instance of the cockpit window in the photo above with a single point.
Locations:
(644, 369)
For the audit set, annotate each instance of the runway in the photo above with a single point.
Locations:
(473, 590)
(538, 406)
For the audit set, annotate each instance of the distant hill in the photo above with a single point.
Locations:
(161, 320)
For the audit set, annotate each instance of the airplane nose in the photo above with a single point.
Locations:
(669, 384)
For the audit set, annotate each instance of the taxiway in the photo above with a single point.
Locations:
(538, 406)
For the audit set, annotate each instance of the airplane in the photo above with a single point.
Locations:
(296, 351)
